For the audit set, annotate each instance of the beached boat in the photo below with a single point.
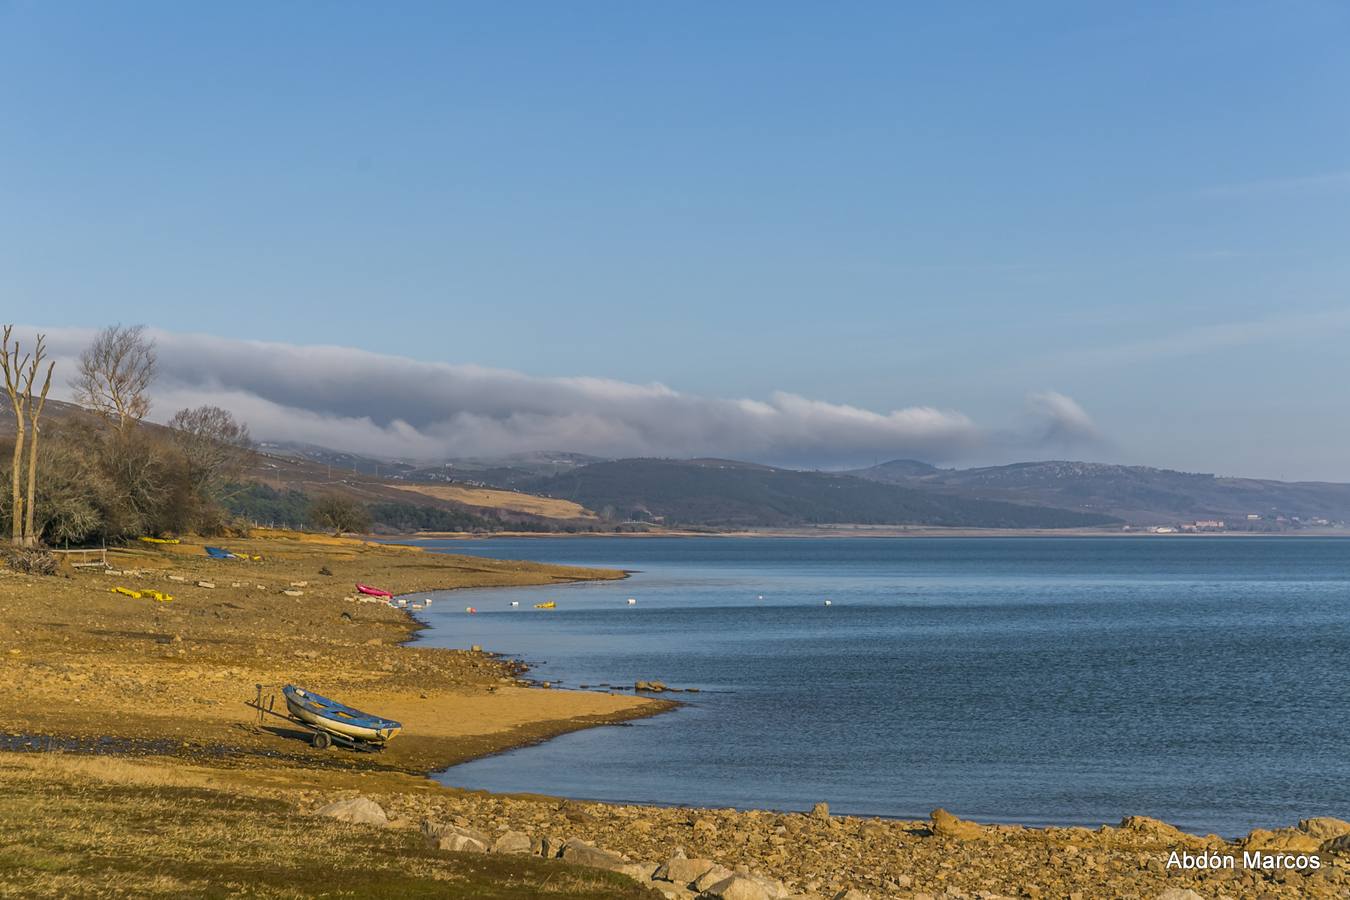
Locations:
(549, 605)
(332, 716)
(372, 591)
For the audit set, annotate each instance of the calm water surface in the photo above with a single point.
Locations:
(1039, 680)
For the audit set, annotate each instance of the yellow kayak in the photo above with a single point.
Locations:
(549, 605)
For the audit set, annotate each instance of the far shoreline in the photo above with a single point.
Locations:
(859, 531)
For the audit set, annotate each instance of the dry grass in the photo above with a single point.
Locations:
(508, 500)
(71, 829)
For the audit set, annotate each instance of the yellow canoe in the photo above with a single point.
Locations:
(549, 605)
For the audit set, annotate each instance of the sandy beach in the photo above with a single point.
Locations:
(169, 786)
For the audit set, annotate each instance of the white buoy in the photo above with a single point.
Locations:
(761, 596)
(515, 602)
(427, 601)
(632, 601)
(827, 602)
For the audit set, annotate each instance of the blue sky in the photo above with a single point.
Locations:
(1142, 207)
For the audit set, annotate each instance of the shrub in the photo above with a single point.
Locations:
(29, 561)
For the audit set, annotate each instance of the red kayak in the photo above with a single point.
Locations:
(372, 591)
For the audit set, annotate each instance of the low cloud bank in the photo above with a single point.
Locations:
(375, 404)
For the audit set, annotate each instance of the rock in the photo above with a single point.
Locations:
(1153, 827)
(682, 871)
(1338, 844)
(460, 843)
(294, 593)
(672, 891)
(641, 872)
(206, 584)
(851, 894)
(654, 687)
(1290, 839)
(947, 825)
(820, 811)
(457, 838)
(582, 853)
(704, 828)
(715, 875)
(737, 887)
(359, 811)
(1324, 827)
(1179, 894)
(512, 842)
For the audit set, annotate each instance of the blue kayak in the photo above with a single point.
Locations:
(337, 718)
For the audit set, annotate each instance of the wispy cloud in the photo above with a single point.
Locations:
(394, 406)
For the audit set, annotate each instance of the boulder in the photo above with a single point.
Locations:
(461, 843)
(512, 842)
(1156, 828)
(456, 838)
(945, 824)
(639, 871)
(715, 875)
(1324, 827)
(737, 887)
(1281, 839)
(682, 871)
(820, 811)
(581, 853)
(1337, 844)
(851, 894)
(1179, 894)
(358, 810)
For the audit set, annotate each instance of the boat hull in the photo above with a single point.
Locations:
(323, 714)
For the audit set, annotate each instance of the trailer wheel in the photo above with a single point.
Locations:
(321, 740)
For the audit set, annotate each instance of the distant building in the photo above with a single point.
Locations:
(1252, 517)
(1163, 529)
(1209, 524)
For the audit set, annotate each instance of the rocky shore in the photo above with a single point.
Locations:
(751, 855)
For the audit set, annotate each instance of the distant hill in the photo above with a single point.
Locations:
(1137, 494)
(503, 471)
(724, 493)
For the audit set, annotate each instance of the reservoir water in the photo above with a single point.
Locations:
(1204, 681)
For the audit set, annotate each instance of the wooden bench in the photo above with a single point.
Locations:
(95, 557)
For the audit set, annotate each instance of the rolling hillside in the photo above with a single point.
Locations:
(722, 493)
(1137, 494)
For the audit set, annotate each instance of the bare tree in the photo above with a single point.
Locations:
(114, 375)
(21, 374)
(13, 365)
(215, 446)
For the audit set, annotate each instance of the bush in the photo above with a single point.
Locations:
(29, 561)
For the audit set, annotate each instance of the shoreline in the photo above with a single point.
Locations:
(76, 657)
(846, 532)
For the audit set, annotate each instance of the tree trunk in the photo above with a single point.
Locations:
(30, 537)
(16, 506)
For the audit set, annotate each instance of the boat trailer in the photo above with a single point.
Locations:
(319, 738)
